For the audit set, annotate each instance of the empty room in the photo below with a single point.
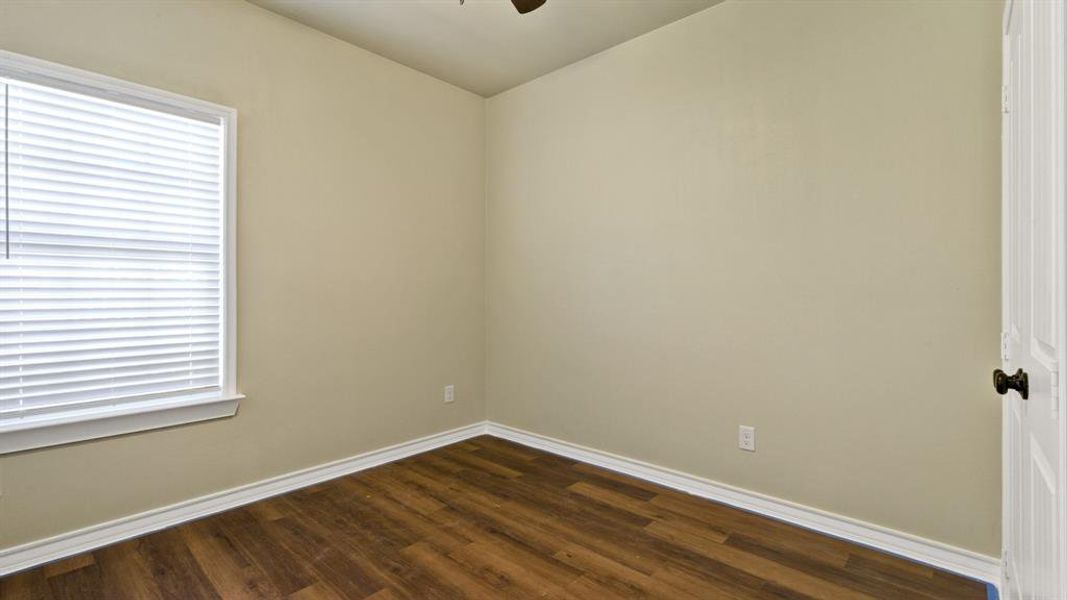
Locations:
(570, 299)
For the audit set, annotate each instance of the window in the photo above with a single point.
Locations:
(116, 303)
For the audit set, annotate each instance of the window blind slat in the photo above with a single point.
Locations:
(40, 144)
(124, 211)
(32, 112)
(70, 328)
(25, 113)
(31, 188)
(123, 387)
(113, 291)
(28, 179)
(68, 137)
(31, 239)
(36, 221)
(121, 173)
(111, 354)
(28, 170)
(127, 396)
(32, 233)
(90, 251)
(25, 372)
(67, 274)
(155, 342)
(46, 96)
(30, 339)
(24, 383)
(95, 306)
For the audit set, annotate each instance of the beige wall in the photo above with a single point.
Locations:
(783, 215)
(776, 214)
(360, 244)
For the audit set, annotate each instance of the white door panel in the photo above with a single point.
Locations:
(1034, 300)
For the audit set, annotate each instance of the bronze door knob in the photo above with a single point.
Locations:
(1002, 382)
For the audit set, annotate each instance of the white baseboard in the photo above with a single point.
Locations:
(958, 560)
(36, 553)
(964, 562)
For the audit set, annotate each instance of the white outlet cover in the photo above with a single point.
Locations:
(450, 393)
(746, 438)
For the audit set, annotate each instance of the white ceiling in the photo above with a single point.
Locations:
(485, 46)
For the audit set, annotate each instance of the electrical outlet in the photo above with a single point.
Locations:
(450, 393)
(746, 438)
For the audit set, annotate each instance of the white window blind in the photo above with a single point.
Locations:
(112, 274)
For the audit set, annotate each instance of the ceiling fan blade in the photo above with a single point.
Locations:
(525, 6)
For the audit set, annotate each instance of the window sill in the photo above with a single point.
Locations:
(28, 433)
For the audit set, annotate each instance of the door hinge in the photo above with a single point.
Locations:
(1004, 99)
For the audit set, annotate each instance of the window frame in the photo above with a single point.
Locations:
(64, 427)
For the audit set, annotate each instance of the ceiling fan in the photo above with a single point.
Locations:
(524, 6)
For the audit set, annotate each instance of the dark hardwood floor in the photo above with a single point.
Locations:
(486, 519)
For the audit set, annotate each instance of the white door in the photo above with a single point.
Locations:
(1035, 532)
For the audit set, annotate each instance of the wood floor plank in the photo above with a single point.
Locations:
(387, 483)
(874, 584)
(321, 591)
(78, 584)
(282, 569)
(366, 546)
(769, 531)
(124, 573)
(386, 594)
(754, 564)
(71, 564)
(471, 460)
(507, 574)
(450, 571)
(607, 573)
(326, 562)
(486, 518)
(29, 585)
(230, 573)
(173, 567)
(701, 585)
(586, 469)
(505, 447)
